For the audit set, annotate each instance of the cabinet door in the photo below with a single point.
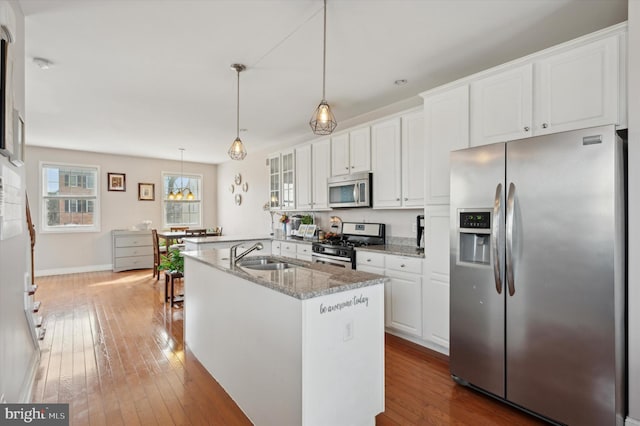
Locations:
(303, 177)
(340, 155)
(577, 88)
(386, 163)
(502, 106)
(288, 180)
(446, 122)
(274, 181)
(321, 169)
(288, 249)
(360, 150)
(405, 302)
(436, 283)
(413, 160)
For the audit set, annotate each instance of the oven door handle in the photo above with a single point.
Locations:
(344, 262)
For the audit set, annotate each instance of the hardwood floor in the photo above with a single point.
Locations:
(114, 351)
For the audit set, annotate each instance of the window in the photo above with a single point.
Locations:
(181, 211)
(70, 198)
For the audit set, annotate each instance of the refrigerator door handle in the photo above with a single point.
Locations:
(495, 232)
(511, 203)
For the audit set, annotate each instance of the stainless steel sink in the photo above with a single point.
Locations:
(264, 263)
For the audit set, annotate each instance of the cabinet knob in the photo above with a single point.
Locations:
(368, 260)
(406, 199)
(346, 168)
(397, 199)
(526, 128)
(402, 266)
(352, 167)
(545, 125)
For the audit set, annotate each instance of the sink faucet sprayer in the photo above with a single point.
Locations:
(233, 257)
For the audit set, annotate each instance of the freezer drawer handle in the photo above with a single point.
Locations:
(494, 238)
(511, 203)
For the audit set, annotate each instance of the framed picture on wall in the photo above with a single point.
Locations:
(116, 182)
(146, 192)
(17, 158)
(6, 94)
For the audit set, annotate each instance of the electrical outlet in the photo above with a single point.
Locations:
(348, 331)
(2, 399)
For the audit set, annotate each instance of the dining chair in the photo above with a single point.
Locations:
(195, 232)
(157, 252)
(178, 228)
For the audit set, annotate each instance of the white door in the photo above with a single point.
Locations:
(446, 123)
(340, 155)
(303, 177)
(386, 157)
(360, 150)
(502, 106)
(577, 88)
(413, 160)
(321, 169)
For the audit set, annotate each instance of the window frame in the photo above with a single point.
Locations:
(199, 176)
(47, 229)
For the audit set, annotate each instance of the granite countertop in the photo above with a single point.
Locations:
(294, 240)
(226, 238)
(395, 249)
(306, 281)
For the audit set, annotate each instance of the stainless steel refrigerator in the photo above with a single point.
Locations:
(538, 274)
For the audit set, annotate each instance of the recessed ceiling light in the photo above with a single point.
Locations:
(43, 64)
(401, 82)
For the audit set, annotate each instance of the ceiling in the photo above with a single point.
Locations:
(144, 77)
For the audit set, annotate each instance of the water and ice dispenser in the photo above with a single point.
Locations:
(474, 233)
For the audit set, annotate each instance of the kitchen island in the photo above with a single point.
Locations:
(296, 346)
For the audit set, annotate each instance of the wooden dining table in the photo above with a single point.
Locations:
(171, 236)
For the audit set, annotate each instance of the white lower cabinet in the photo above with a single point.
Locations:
(301, 251)
(275, 247)
(403, 293)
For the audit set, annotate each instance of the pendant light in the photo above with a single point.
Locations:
(237, 150)
(323, 122)
(179, 193)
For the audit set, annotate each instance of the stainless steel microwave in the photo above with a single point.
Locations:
(352, 190)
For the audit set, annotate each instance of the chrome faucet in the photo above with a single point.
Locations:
(234, 257)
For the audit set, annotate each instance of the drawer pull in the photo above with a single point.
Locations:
(402, 266)
(368, 260)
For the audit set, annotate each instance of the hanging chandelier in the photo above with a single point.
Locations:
(237, 150)
(180, 192)
(323, 122)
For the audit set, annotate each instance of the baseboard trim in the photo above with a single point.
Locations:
(631, 422)
(27, 387)
(433, 347)
(72, 270)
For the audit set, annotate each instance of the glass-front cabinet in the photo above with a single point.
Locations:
(274, 181)
(282, 180)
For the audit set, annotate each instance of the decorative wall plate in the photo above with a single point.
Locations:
(232, 188)
(238, 179)
(245, 187)
(238, 199)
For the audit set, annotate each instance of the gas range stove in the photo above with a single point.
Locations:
(341, 251)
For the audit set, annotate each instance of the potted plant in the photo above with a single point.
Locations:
(172, 261)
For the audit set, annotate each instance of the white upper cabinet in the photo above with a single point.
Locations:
(574, 88)
(304, 177)
(446, 123)
(288, 179)
(321, 169)
(413, 159)
(577, 88)
(351, 152)
(340, 155)
(502, 106)
(360, 150)
(312, 171)
(387, 163)
(275, 185)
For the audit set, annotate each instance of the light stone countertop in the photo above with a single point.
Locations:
(294, 240)
(394, 249)
(226, 238)
(306, 281)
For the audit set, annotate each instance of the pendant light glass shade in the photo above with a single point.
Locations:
(237, 150)
(323, 121)
(179, 193)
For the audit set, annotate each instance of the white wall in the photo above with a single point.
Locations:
(18, 351)
(86, 251)
(634, 210)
